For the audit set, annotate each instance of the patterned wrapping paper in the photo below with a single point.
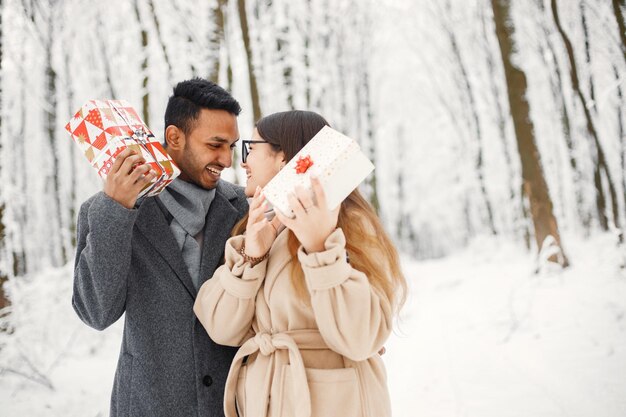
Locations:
(104, 128)
(334, 158)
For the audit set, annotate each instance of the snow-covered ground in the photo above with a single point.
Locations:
(481, 335)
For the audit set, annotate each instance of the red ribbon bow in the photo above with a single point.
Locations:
(303, 164)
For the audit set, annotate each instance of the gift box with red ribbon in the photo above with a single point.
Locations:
(334, 158)
(104, 128)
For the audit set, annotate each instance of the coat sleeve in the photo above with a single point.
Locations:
(226, 303)
(102, 263)
(354, 318)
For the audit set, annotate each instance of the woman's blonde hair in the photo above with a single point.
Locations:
(370, 249)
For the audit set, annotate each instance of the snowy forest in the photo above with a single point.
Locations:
(492, 124)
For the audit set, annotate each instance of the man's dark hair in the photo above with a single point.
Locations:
(190, 96)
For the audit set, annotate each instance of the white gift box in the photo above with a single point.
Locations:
(334, 158)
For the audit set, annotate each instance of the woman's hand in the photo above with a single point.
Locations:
(260, 233)
(313, 223)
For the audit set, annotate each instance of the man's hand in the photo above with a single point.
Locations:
(127, 177)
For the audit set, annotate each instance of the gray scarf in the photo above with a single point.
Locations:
(189, 205)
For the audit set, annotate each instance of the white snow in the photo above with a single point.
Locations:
(481, 335)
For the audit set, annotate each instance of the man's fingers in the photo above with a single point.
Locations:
(120, 159)
(130, 162)
(140, 172)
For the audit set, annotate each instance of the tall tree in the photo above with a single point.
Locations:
(106, 65)
(618, 5)
(161, 40)
(600, 162)
(621, 132)
(365, 118)
(587, 42)
(144, 64)
(43, 17)
(495, 87)
(245, 33)
(3, 255)
(217, 37)
(559, 89)
(534, 182)
(473, 119)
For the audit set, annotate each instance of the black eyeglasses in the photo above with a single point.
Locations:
(245, 148)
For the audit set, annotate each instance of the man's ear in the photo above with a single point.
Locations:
(175, 138)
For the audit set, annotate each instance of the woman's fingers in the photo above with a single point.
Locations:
(257, 198)
(256, 214)
(305, 197)
(295, 205)
(283, 219)
(318, 191)
(276, 224)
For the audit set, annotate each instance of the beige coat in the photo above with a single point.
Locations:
(317, 360)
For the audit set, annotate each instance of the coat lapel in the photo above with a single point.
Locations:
(152, 224)
(221, 218)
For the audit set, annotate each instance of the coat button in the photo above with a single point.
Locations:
(207, 380)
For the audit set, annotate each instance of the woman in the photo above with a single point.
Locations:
(309, 299)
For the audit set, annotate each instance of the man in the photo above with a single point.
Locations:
(149, 259)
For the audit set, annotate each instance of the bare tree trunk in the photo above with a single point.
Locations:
(533, 178)
(369, 133)
(583, 21)
(69, 91)
(307, 60)
(217, 37)
(520, 220)
(106, 66)
(282, 51)
(57, 248)
(189, 38)
(622, 135)
(341, 81)
(600, 160)
(405, 234)
(558, 91)
(19, 209)
(619, 17)
(144, 65)
(467, 86)
(549, 59)
(4, 262)
(399, 166)
(254, 92)
(157, 26)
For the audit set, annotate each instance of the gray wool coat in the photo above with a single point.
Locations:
(127, 261)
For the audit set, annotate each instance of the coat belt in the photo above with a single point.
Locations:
(266, 344)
